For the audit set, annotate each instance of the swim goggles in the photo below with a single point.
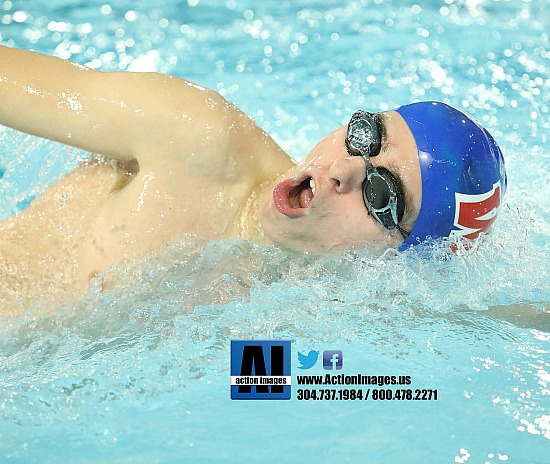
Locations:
(381, 193)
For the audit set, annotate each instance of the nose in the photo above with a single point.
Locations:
(347, 174)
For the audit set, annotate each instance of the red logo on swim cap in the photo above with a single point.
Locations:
(475, 213)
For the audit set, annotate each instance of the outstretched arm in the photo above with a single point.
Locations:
(122, 115)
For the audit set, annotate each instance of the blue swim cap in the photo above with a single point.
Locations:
(463, 174)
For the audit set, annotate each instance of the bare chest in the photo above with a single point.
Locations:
(151, 210)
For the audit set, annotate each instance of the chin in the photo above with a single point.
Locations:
(304, 243)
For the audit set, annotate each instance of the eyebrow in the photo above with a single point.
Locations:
(384, 130)
(393, 168)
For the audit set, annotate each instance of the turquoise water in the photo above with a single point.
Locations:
(140, 373)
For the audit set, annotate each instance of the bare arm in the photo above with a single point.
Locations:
(123, 115)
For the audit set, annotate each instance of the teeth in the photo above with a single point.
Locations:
(312, 185)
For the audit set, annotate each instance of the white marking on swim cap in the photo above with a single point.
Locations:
(475, 213)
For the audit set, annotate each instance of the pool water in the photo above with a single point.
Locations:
(140, 372)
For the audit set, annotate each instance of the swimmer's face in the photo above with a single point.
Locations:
(318, 205)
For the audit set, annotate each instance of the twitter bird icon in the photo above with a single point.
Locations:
(307, 362)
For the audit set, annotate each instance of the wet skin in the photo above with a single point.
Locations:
(186, 162)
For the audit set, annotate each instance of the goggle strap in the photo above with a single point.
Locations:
(404, 233)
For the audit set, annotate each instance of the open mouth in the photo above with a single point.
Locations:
(292, 197)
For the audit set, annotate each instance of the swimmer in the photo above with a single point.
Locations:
(172, 157)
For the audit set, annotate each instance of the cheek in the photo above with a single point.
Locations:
(348, 208)
(345, 217)
(347, 223)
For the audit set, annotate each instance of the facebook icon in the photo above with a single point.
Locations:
(333, 360)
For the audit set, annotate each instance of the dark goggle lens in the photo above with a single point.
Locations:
(377, 193)
(364, 137)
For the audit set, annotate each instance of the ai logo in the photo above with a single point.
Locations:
(260, 370)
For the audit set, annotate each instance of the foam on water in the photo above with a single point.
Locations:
(138, 370)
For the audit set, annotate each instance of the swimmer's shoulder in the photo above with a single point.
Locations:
(163, 122)
(198, 129)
